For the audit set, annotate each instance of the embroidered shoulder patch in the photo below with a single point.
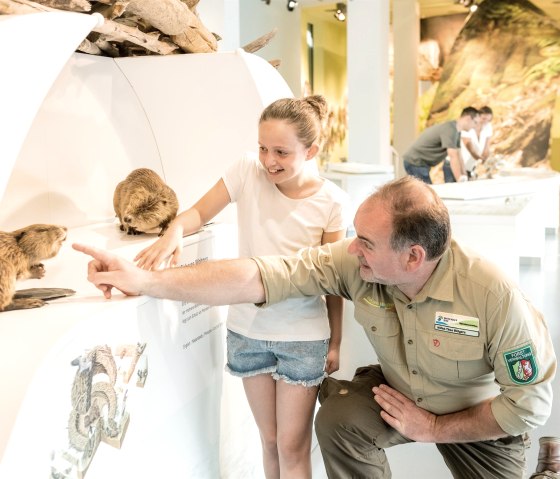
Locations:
(521, 365)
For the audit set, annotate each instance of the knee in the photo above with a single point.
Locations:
(329, 423)
(269, 444)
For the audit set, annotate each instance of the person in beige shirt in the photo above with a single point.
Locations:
(465, 361)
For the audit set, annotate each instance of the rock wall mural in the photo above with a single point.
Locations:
(507, 56)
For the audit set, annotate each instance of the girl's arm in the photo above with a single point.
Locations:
(189, 221)
(335, 308)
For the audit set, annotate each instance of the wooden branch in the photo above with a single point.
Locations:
(174, 18)
(112, 11)
(88, 47)
(113, 30)
(18, 7)
(71, 5)
(260, 42)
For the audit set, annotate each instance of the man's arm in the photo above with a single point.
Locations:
(212, 282)
(476, 423)
(470, 147)
(457, 164)
(486, 152)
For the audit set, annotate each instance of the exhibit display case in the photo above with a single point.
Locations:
(132, 386)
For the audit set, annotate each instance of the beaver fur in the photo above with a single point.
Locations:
(21, 253)
(144, 203)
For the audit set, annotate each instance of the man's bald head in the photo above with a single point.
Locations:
(417, 214)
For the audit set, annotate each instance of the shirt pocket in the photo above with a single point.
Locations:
(383, 330)
(453, 358)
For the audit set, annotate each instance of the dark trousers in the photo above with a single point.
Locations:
(352, 437)
(420, 172)
(447, 173)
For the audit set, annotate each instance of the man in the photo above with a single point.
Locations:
(475, 143)
(435, 144)
(465, 361)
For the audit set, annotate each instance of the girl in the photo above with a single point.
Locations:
(282, 352)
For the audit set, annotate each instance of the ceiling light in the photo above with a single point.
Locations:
(291, 5)
(340, 12)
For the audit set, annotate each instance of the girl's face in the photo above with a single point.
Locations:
(281, 153)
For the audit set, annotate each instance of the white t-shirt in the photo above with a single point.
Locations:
(478, 143)
(270, 223)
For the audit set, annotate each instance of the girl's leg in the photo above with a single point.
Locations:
(261, 395)
(295, 405)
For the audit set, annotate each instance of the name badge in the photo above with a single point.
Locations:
(457, 324)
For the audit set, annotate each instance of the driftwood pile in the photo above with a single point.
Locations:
(137, 27)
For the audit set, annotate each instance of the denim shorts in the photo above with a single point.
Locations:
(295, 362)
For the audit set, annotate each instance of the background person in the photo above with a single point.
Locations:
(284, 352)
(475, 143)
(465, 360)
(435, 144)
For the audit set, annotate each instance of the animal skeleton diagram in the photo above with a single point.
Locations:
(98, 398)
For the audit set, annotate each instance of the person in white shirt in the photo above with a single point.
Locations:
(475, 143)
(284, 352)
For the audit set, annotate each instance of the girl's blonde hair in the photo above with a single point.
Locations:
(307, 114)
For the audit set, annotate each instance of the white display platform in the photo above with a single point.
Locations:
(505, 218)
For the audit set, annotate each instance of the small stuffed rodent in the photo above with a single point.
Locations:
(21, 253)
(144, 203)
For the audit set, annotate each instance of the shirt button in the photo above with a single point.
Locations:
(409, 306)
(373, 328)
(410, 341)
(414, 371)
(419, 400)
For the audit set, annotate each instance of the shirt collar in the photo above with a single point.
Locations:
(440, 284)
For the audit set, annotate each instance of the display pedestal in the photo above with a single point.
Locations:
(66, 403)
(504, 219)
(358, 180)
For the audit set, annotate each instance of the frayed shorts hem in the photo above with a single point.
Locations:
(272, 371)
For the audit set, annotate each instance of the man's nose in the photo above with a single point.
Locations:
(353, 247)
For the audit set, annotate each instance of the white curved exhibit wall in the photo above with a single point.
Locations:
(186, 117)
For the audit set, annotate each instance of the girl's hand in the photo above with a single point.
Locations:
(333, 360)
(170, 244)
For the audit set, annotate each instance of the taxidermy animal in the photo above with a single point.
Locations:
(144, 203)
(21, 253)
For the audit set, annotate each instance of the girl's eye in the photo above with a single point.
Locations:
(262, 149)
(281, 152)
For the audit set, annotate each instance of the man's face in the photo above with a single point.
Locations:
(469, 122)
(379, 263)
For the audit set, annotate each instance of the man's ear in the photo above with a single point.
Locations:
(416, 258)
(313, 150)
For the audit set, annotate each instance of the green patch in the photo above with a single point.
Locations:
(521, 365)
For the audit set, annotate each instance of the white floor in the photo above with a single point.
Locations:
(541, 283)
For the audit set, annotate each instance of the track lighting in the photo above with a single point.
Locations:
(291, 5)
(340, 12)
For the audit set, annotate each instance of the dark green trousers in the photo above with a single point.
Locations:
(352, 437)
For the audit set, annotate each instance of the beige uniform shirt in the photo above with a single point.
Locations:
(469, 334)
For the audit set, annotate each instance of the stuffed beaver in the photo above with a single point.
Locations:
(21, 253)
(144, 203)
